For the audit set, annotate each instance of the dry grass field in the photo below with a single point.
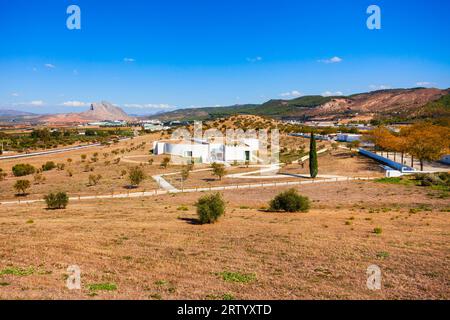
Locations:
(152, 248)
(74, 179)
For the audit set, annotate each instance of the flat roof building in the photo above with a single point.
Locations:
(204, 151)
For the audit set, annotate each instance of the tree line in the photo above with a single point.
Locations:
(423, 141)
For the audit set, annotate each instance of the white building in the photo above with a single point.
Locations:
(348, 137)
(154, 127)
(209, 151)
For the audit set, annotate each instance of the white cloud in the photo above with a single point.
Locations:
(75, 104)
(129, 60)
(148, 106)
(255, 59)
(293, 93)
(34, 103)
(50, 66)
(37, 103)
(331, 60)
(15, 94)
(332, 94)
(379, 87)
(424, 84)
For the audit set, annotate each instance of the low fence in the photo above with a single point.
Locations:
(157, 192)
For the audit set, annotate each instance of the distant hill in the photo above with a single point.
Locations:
(97, 112)
(399, 103)
(14, 113)
(438, 109)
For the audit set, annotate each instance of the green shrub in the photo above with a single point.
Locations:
(21, 186)
(377, 230)
(438, 179)
(218, 170)
(49, 165)
(237, 277)
(23, 169)
(102, 287)
(289, 201)
(56, 200)
(210, 208)
(136, 176)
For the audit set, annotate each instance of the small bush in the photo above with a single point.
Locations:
(136, 176)
(21, 186)
(165, 163)
(39, 178)
(377, 230)
(289, 201)
(94, 179)
(210, 208)
(23, 169)
(56, 200)
(49, 165)
(218, 170)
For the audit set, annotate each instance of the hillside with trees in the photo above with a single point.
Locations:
(381, 105)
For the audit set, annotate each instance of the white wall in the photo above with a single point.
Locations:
(204, 151)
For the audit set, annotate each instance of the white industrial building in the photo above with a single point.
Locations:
(348, 137)
(204, 151)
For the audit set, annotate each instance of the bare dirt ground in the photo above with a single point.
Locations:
(152, 248)
(340, 162)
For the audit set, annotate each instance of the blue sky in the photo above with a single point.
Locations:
(148, 56)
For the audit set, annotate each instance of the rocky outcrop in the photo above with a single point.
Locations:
(97, 112)
(104, 111)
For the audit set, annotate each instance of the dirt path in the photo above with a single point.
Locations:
(194, 190)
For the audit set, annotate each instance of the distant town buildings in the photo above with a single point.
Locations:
(109, 123)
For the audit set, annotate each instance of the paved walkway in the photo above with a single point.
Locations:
(163, 183)
(427, 166)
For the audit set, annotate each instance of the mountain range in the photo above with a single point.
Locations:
(14, 113)
(392, 103)
(399, 104)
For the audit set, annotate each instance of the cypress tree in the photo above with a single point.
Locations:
(313, 164)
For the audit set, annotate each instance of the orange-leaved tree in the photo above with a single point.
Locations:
(426, 141)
